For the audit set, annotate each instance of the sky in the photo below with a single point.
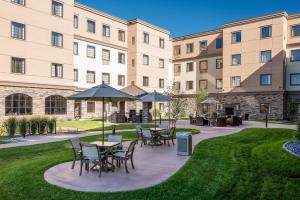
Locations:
(182, 17)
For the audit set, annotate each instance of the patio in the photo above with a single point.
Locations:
(152, 165)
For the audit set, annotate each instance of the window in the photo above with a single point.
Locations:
(57, 8)
(121, 35)
(106, 78)
(219, 63)
(90, 51)
(161, 43)
(203, 45)
(236, 59)
(91, 26)
(57, 70)
(161, 107)
(121, 58)
(203, 84)
(189, 67)
(75, 74)
(219, 106)
(295, 79)
(90, 77)
(18, 30)
(105, 55)
(189, 48)
(265, 56)
(177, 50)
(55, 105)
(295, 55)
(90, 107)
(265, 79)
(132, 62)
(75, 48)
(177, 86)
(265, 108)
(161, 63)
(235, 81)
(145, 59)
(189, 85)
(266, 32)
(219, 43)
(219, 83)
(296, 30)
(237, 106)
(177, 68)
(133, 40)
(20, 2)
(57, 39)
(18, 104)
(145, 81)
(161, 83)
(203, 66)
(146, 38)
(121, 80)
(75, 22)
(18, 65)
(236, 37)
(105, 30)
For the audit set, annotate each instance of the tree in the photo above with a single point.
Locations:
(199, 97)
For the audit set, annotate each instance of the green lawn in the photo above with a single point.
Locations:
(279, 122)
(95, 125)
(247, 165)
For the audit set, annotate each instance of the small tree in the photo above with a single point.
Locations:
(292, 110)
(199, 97)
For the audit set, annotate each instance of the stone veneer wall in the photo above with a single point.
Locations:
(38, 100)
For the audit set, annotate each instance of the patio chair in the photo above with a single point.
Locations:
(169, 136)
(91, 155)
(138, 128)
(125, 155)
(147, 136)
(115, 138)
(75, 142)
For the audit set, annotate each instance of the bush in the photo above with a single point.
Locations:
(11, 126)
(43, 121)
(51, 125)
(34, 125)
(23, 126)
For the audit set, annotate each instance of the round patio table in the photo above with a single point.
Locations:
(156, 135)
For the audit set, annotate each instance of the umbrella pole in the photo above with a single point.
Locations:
(155, 114)
(169, 113)
(102, 120)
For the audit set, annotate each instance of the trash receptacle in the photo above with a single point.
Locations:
(184, 143)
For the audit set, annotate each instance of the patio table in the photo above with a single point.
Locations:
(156, 135)
(105, 146)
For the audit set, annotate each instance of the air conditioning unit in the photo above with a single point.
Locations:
(184, 143)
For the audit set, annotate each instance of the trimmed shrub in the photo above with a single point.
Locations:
(43, 122)
(11, 126)
(34, 125)
(51, 125)
(23, 126)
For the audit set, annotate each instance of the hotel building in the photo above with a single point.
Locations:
(52, 49)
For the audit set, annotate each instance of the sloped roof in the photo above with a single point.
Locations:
(134, 90)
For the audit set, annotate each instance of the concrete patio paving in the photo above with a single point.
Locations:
(152, 165)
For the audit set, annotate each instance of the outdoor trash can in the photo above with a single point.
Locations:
(184, 143)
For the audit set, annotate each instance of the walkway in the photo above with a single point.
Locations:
(153, 165)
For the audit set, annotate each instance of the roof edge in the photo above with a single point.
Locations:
(199, 34)
(139, 21)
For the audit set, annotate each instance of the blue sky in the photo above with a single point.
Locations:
(183, 17)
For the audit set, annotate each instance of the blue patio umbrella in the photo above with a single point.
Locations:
(156, 97)
(102, 93)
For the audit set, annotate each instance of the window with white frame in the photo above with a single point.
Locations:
(20, 2)
(190, 48)
(121, 35)
(75, 48)
(189, 85)
(295, 55)
(236, 59)
(265, 56)
(57, 70)
(75, 21)
(57, 8)
(235, 81)
(295, 79)
(121, 58)
(219, 83)
(105, 30)
(57, 39)
(203, 45)
(236, 37)
(145, 81)
(161, 83)
(106, 54)
(18, 65)
(18, 30)
(145, 59)
(295, 30)
(91, 26)
(161, 63)
(121, 80)
(106, 78)
(76, 75)
(219, 63)
(161, 43)
(266, 32)
(146, 38)
(265, 79)
(90, 77)
(203, 66)
(203, 84)
(189, 67)
(90, 51)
